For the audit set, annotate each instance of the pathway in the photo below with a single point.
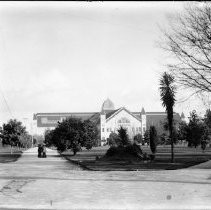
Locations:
(54, 183)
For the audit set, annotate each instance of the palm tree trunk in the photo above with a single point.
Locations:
(10, 149)
(172, 145)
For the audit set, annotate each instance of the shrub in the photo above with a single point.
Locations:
(129, 151)
(111, 151)
(138, 138)
(134, 150)
(152, 157)
(146, 156)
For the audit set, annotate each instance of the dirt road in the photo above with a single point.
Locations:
(54, 183)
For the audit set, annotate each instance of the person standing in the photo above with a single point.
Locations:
(44, 151)
(40, 150)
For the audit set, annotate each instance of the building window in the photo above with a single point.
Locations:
(144, 129)
(140, 129)
(107, 129)
(136, 129)
(123, 120)
(102, 129)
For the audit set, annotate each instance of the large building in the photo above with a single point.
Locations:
(110, 119)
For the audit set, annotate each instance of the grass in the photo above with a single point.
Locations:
(184, 157)
(7, 157)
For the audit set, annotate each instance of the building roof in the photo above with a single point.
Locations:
(63, 114)
(152, 117)
(120, 109)
(51, 119)
(152, 113)
(95, 118)
(111, 113)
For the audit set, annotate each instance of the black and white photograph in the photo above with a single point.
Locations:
(105, 105)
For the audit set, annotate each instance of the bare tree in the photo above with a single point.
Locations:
(189, 42)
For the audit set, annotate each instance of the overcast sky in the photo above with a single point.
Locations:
(71, 56)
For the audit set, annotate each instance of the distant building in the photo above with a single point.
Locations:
(110, 119)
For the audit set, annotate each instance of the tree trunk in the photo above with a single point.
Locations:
(10, 149)
(172, 145)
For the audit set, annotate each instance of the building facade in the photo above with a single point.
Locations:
(110, 120)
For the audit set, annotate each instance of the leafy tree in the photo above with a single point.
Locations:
(11, 132)
(114, 140)
(72, 133)
(25, 140)
(146, 137)
(207, 119)
(174, 132)
(69, 134)
(204, 144)
(163, 139)
(48, 136)
(153, 139)
(90, 134)
(182, 130)
(195, 131)
(1, 136)
(122, 133)
(167, 93)
(188, 41)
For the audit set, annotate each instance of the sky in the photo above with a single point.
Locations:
(71, 56)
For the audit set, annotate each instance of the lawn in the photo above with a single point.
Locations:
(6, 156)
(184, 157)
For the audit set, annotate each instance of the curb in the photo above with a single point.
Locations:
(78, 163)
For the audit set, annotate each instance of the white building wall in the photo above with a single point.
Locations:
(144, 123)
(41, 130)
(103, 129)
(134, 126)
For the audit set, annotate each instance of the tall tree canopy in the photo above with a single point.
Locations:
(196, 131)
(14, 133)
(72, 133)
(189, 42)
(207, 119)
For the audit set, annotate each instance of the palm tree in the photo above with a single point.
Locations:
(167, 93)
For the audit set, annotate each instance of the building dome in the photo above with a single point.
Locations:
(108, 105)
